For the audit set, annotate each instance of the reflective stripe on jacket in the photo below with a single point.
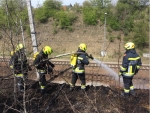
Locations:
(81, 61)
(131, 62)
(41, 63)
(19, 75)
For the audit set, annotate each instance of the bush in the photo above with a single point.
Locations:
(113, 23)
(3, 19)
(77, 8)
(141, 40)
(126, 38)
(52, 4)
(41, 15)
(65, 19)
(90, 16)
(140, 37)
(111, 38)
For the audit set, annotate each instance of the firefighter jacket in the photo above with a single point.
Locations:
(42, 63)
(82, 60)
(131, 63)
(20, 62)
(11, 61)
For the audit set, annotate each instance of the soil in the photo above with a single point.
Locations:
(96, 99)
(59, 99)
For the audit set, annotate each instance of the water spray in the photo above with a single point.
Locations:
(113, 73)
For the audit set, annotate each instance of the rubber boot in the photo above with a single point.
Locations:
(20, 88)
(83, 90)
(71, 88)
(126, 95)
(132, 92)
(42, 91)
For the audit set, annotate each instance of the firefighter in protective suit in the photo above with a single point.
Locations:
(12, 53)
(20, 66)
(43, 66)
(79, 70)
(130, 66)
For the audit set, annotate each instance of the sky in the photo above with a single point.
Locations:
(34, 3)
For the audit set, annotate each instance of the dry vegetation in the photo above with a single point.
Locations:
(98, 99)
(59, 99)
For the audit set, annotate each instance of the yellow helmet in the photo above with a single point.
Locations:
(129, 45)
(12, 53)
(19, 46)
(47, 50)
(83, 46)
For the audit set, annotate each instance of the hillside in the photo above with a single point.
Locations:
(101, 28)
(65, 41)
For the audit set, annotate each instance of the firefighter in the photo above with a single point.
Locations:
(20, 66)
(43, 66)
(12, 53)
(79, 70)
(130, 66)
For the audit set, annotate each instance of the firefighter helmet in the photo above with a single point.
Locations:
(12, 53)
(47, 50)
(83, 46)
(129, 45)
(19, 46)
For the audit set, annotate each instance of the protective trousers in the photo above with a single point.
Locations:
(128, 85)
(42, 81)
(82, 78)
(20, 83)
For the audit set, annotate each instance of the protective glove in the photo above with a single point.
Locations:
(11, 66)
(90, 56)
(52, 65)
(44, 61)
(136, 71)
(86, 54)
(120, 74)
(50, 70)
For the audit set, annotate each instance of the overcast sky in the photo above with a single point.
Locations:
(65, 2)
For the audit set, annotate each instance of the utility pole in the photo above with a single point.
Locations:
(32, 30)
(22, 33)
(103, 52)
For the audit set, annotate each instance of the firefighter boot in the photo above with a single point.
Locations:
(20, 87)
(83, 88)
(71, 88)
(126, 95)
(132, 93)
(22, 90)
(42, 91)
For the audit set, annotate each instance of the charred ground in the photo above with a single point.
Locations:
(59, 99)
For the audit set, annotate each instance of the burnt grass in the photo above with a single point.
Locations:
(59, 99)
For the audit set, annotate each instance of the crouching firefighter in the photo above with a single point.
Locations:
(43, 66)
(77, 62)
(130, 66)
